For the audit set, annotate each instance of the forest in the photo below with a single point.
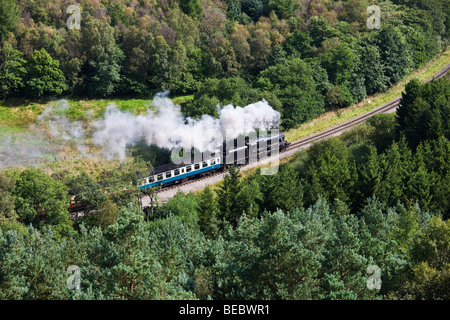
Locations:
(303, 56)
(375, 196)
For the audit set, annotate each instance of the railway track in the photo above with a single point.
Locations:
(346, 125)
(318, 136)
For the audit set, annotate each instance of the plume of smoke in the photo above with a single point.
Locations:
(23, 149)
(166, 127)
(33, 146)
(60, 126)
(242, 121)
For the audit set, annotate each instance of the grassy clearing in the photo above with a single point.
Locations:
(18, 114)
(13, 117)
(333, 118)
(94, 109)
(93, 166)
(19, 117)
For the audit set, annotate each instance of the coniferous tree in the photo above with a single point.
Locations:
(394, 53)
(283, 190)
(9, 16)
(228, 197)
(208, 213)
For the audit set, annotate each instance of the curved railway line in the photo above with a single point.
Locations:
(348, 124)
(295, 145)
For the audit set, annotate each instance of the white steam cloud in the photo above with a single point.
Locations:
(61, 127)
(33, 146)
(166, 127)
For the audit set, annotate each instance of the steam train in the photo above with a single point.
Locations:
(235, 152)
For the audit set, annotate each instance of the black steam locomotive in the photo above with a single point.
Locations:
(236, 152)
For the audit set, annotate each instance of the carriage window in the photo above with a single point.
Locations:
(176, 172)
(160, 177)
(213, 162)
(151, 179)
(168, 174)
(205, 164)
(188, 169)
(196, 166)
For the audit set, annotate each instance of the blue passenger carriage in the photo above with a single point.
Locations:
(175, 173)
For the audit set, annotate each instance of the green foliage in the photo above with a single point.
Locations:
(233, 9)
(6, 198)
(208, 211)
(192, 8)
(294, 85)
(161, 63)
(133, 48)
(87, 191)
(274, 257)
(320, 76)
(394, 52)
(116, 13)
(105, 215)
(9, 16)
(182, 207)
(433, 155)
(339, 63)
(12, 70)
(213, 92)
(320, 31)
(435, 8)
(308, 232)
(372, 69)
(104, 56)
(317, 253)
(201, 106)
(395, 167)
(44, 75)
(254, 8)
(422, 45)
(367, 162)
(283, 8)
(433, 245)
(384, 130)
(344, 265)
(428, 283)
(282, 190)
(330, 172)
(41, 200)
(423, 110)
(121, 183)
(236, 198)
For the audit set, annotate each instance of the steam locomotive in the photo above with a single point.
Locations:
(239, 151)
